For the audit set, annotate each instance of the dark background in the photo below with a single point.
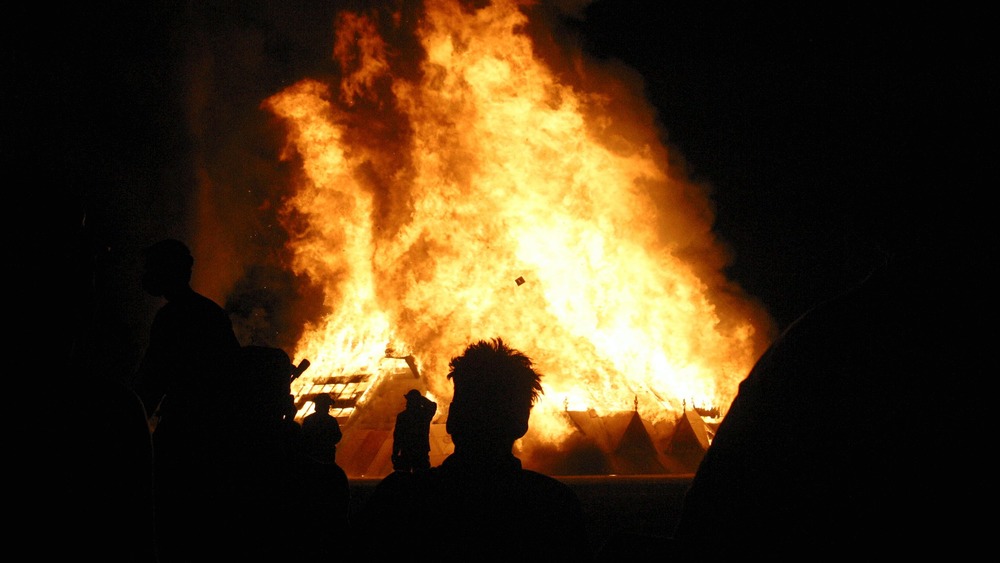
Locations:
(830, 136)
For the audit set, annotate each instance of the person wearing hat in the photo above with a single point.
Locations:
(411, 447)
(321, 432)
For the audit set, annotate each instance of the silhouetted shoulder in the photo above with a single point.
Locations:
(487, 511)
(197, 315)
(838, 428)
(550, 490)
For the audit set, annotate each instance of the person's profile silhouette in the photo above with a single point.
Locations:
(480, 497)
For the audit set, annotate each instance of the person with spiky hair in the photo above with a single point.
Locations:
(480, 497)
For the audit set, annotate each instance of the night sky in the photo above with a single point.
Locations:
(819, 132)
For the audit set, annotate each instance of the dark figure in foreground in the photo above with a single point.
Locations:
(844, 434)
(480, 499)
(273, 492)
(318, 496)
(321, 432)
(411, 445)
(183, 377)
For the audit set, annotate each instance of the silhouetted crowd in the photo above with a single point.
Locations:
(201, 458)
(838, 440)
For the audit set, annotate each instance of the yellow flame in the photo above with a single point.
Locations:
(512, 204)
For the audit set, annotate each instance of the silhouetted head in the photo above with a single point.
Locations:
(166, 267)
(495, 388)
(323, 402)
(412, 396)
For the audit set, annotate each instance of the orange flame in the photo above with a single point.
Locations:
(484, 196)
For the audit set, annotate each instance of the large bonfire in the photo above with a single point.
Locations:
(465, 181)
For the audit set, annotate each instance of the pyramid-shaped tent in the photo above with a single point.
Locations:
(688, 443)
(624, 440)
(635, 453)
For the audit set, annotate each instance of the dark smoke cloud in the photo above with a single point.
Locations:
(263, 304)
(235, 56)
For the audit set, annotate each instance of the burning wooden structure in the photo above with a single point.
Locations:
(617, 443)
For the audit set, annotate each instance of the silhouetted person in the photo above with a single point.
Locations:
(318, 516)
(271, 494)
(480, 502)
(411, 446)
(281, 493)
(259, 404)
(320, 431)
(184, 377)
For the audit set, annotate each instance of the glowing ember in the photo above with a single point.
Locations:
(485, 194)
